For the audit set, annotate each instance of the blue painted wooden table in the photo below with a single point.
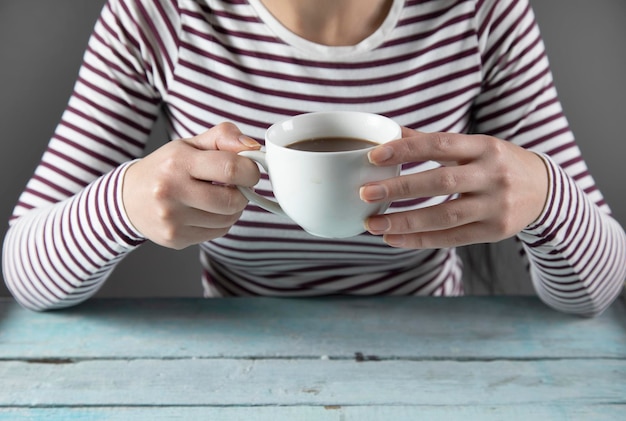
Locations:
(484, 358)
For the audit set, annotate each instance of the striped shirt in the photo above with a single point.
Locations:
(466, 66)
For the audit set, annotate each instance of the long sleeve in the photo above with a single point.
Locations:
(69, 228)
(59, 255)
(576, 250)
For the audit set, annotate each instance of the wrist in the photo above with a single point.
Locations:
(560, 199)
(119, 215)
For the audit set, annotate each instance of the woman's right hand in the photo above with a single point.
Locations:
(183, 193)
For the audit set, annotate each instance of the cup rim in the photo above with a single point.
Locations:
(269, 138)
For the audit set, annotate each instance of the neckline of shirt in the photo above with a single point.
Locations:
(326, 51)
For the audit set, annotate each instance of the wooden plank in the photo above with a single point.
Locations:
(321, 413)
(243, 382)
(401, 327)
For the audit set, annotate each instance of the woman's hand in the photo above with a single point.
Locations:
(183, 194)
(502, 188)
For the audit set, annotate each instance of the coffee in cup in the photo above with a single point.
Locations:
(332, 144)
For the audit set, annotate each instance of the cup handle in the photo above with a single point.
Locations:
(250, 194)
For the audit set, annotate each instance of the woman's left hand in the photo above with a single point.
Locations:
(501, 187)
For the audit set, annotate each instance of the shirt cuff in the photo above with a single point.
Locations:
(114, 221)
(562, 209)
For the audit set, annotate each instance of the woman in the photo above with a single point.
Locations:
(469, 81)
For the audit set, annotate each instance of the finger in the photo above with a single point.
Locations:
(440, 147)
(223, 167)
(408, 132)
(184, 236)
(208, 198)
(225, 137)
(201, 219)
(175, 224)
(430, 183)
(455, 237)
(451, 214)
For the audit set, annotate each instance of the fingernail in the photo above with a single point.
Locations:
(396, 240)
(373, 193)
(249, 142)
(380, 154)
(377, 224)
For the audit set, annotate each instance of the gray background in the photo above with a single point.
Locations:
(41, 45)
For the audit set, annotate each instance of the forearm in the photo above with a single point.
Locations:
(60, 255)
(576, 250)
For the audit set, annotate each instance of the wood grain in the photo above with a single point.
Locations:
(245, 382)
(401, 327)
(483, 358)
(321, 413)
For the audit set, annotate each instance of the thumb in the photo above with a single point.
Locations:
(223, 137)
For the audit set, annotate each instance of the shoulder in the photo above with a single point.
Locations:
(496, 12)
(146, 11)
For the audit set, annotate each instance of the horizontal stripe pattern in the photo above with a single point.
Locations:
(57, 256)
(450, 65)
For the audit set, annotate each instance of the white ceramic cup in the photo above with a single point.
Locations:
(320, 190)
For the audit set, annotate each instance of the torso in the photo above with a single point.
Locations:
(238, 63)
